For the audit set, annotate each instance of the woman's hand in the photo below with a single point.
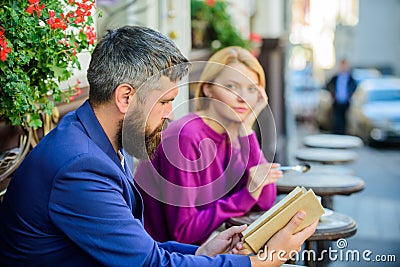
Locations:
(247, 127)
(262, 175)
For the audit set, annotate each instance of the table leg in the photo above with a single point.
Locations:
(323, 245)
(307, 258)
(327, 202)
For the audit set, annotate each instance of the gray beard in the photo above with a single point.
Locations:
(142, 144)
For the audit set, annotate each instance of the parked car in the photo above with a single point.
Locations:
(361, 74)
(374, 113)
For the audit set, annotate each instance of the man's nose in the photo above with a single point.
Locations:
(168, 115)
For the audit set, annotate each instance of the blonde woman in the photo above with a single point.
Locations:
(211, 156)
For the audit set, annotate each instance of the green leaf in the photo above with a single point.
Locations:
(35, 123)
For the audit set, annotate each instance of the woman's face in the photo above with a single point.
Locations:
(237, 88)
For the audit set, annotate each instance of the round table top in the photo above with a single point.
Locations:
(330, 169)
(331, 226)
(326, 155)
(323, 184)
(332, 141)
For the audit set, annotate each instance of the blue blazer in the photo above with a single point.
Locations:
(71, 203)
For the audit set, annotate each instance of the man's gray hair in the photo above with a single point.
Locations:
(134, 55)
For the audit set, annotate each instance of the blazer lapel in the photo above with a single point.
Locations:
(96, 133)
(139, 199)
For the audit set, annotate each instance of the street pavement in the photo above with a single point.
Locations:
(376, 209)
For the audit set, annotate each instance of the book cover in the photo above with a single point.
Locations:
(262, 229)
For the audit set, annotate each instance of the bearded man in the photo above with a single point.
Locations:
(73, 201)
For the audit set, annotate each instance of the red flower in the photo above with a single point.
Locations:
(34, 6)
(70, 15)
(56, 23)
(90, 34)
(255, 37)
(4, 50)
(64, 42)
(82, 11)
(210, 3)
(74, 49)
(78, 91)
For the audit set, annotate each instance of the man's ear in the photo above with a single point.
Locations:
(123, 95)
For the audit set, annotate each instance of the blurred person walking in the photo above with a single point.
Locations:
(341, 86)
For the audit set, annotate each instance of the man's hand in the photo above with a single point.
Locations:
(262, 175)
(226, 242)
(284, 243)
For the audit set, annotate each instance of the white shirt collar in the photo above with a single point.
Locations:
(122, 158)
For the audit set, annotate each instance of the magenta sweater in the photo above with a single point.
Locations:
(211, 177)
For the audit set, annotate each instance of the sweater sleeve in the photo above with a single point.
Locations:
(251, 152)
(253, 155)
(189, 222)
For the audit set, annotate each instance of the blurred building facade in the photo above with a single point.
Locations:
(375, 40)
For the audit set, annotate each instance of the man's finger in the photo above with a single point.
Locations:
(232, 231)
(295, 221)
(308, 231)
(236, 239)
(239, 246)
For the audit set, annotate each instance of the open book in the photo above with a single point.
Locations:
(262, 229)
